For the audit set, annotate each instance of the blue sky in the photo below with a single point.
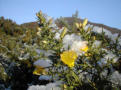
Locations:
(107, 12)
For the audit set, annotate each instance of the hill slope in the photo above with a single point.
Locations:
(70, 20)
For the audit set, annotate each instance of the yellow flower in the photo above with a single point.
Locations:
(63, 32)
(85, 48)
(68, 57)
(45, 42)
(65, 86)
(39, 29)
(94, 38)
(39, 70)
(87, 54)
(85, 22)
(77, 25)
(80, 24)
(38, 33)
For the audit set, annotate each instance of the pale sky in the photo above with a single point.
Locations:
(107, 12)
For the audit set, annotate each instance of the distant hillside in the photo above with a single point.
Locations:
(30, 25)
(70, 20)
(10, 28)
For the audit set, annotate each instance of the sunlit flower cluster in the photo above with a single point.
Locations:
(79, 25)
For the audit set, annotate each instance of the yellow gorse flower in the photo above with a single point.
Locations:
(63, 32)
(38, 33)
(94, 38)
(85, 22)
(82, 25)
(44, 41)
(69, 57)
(87, 54)
(39, 70)
(77, 25)
(85, 48)
(39, 29)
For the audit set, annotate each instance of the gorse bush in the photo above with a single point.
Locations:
(82, 57)
(79, 57)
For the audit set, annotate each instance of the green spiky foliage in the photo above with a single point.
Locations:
(17, 53)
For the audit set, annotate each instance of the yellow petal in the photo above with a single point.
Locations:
(84, 49)
(69, 57)
(35, 72)
(39, 70)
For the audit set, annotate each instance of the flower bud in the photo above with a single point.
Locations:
(77, 25)
(85, 22)
(44, 42)
(63, 32)
(38, 33)
(94, 38)
(80, 24)
(89, 29)
(39, 29)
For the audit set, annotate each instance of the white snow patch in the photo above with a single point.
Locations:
(69, 39)
(44, 77)
(77, 45)
(108, 56)
(43, 63)
(50, 86)
(96, 43)
(46, 53)
(116, 78)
